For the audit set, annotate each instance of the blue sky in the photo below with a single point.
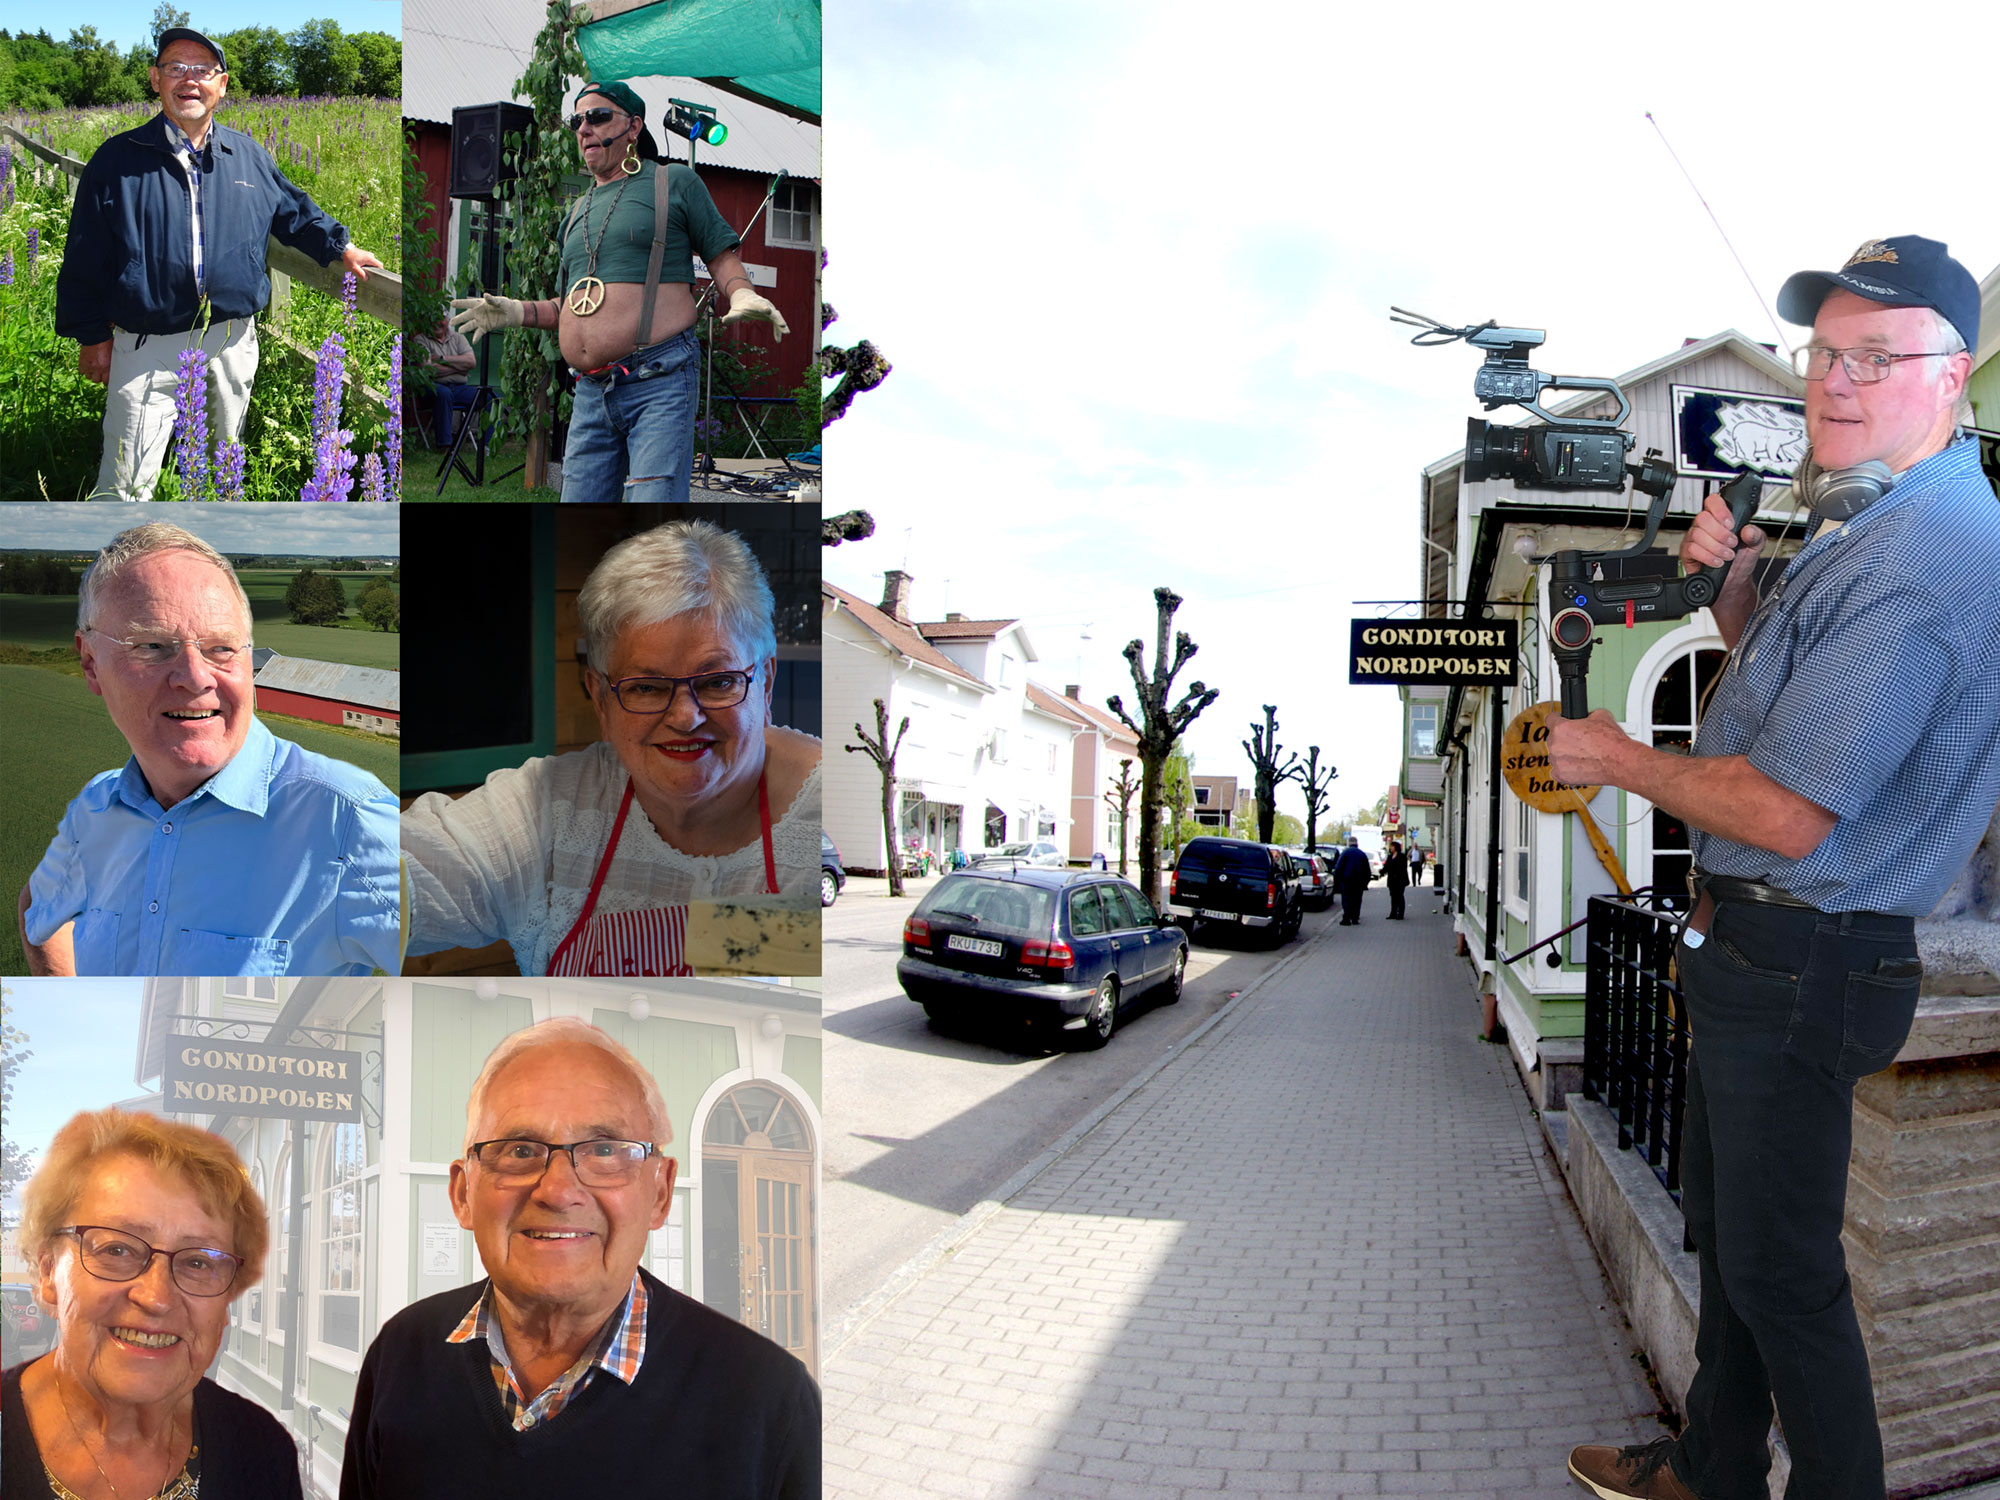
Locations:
(130, 22)
(1133, 261)
(315, 530)
(84, 1037)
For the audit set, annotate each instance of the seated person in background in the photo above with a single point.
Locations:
(218, 848)
(447, 360)
(552, 858)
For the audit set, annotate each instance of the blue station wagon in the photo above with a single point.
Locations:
(1062, 947)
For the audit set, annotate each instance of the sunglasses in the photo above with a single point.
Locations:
(602, 115)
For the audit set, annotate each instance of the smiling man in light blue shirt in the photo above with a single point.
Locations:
(219, 849)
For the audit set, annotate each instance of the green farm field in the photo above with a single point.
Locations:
(74, 739)
(39, 621)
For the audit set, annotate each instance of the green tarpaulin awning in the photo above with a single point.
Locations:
(764, 50)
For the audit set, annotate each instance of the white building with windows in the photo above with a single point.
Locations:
(983, 762)
(1515, 875)
(361, 1224)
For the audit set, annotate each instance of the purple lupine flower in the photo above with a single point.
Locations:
(393, 442)
(348, 288)
(7, 269)
(34, 244)
(372, 480)
(331, 457)
(191, 422)
(229, 470)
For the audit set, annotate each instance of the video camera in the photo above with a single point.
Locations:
(1577, 453)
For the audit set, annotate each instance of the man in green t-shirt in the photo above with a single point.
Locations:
(631, 433)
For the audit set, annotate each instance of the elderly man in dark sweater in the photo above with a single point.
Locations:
(570, 1371)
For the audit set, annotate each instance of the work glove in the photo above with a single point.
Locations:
(473, 316)
(744, 303)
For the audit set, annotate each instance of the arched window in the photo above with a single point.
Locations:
(1678, 698)
(250, 1306)
(758, 1230)
(337, 1231)
(277, 1275)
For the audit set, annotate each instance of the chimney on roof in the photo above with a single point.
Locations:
(896, 596)
(951, 614)
(1071, 690)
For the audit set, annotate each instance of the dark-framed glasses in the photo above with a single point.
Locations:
(1863, 366)
(598, 1163)
(655, 695)
(199, 72)
(113, 1255)
(149, 649)
(601, 115)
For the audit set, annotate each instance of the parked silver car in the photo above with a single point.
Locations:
(1034, 853)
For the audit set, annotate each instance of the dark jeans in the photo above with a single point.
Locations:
(447, 399)
(1787, 1009)
(1395, 901)
(1350, 902)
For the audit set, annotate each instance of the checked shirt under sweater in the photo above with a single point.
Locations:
(514, 859)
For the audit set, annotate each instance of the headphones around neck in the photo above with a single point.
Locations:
(1841, 494)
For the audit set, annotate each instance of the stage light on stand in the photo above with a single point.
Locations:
(695, 122)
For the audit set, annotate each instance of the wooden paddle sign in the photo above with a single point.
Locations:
(1524, 761)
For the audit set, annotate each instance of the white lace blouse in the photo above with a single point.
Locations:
(514, 859)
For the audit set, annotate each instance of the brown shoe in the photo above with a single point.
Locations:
(1640, 1472)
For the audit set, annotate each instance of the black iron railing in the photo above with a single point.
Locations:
(1635, 1036)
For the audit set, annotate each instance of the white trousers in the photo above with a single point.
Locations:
(139, 403)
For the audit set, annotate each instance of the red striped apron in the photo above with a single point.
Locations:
(639, 943)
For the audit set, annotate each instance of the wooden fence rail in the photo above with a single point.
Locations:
(379, 297)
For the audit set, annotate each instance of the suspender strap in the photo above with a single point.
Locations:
(653, 261)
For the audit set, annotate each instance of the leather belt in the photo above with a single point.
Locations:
(1731, 888)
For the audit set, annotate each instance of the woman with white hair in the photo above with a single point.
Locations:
(585, 862)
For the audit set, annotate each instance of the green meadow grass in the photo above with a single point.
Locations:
(41, 621)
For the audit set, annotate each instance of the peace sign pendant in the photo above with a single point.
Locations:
(585, 297)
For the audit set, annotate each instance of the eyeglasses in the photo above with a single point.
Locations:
(595, 1163)
(113, 1255)
(199, 72)
(655, 695)
(1863, 366)
(601, 115)
(148, 650)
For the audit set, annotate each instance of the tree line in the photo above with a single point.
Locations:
(315, 598)
(39, 73)
(36, 573)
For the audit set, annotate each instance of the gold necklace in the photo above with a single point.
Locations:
(587, 294)
(77, 1432)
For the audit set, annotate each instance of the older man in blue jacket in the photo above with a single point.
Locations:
(166, 253)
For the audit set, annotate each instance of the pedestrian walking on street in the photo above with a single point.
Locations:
(1351, 874)
(1416, 864)
(1835, 792)
(1396, 871)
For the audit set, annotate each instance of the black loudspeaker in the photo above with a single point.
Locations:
(477, 133)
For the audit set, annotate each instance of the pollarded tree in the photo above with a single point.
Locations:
(1159, 727)
(1177, 793)
(1120, 797)
(1262, 748)
(882, 750)
(1315, 786)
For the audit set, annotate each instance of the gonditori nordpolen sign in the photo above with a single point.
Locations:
(206, 1076)
(1474, 652)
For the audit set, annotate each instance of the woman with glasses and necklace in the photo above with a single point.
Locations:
(626, 316)
(141, 1232)
(585, 862)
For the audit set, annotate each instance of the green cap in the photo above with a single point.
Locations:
(619, 94)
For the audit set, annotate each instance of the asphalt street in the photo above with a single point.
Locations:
(925, 1125)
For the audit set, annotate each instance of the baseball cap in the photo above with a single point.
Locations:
(623, 95)
(1906, 271)
(187, 34)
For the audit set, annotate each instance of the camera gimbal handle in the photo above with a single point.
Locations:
(1575, 383)
(1589, 602)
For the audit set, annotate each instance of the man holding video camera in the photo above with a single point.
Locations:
(1842, 776)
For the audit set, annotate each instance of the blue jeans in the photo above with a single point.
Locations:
(445, 400)
(631, 434)
(1787, 1008)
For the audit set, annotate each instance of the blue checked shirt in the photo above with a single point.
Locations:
(1868, 681)
(190, 159)
(282, 862)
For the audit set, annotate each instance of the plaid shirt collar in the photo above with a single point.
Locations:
(618, 1350)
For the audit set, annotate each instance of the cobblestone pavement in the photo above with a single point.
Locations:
(1321, 1251)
